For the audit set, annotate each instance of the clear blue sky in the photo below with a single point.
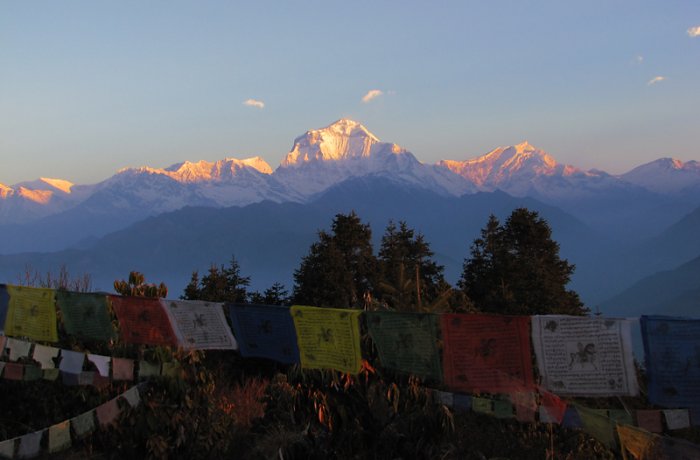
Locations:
(89, 87)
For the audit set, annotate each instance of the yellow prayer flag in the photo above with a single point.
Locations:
(32, 313)
(639, 443)
(328, 338)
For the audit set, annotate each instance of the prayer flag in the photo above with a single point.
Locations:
(85, 315)
(3, 342)
(328, 338)
(265, 331)
(597, 424)
(641, 444)
(59, 437)
(148, 369)
(553, 405)
(14, 371)
(486, 353)
(482, 405)
(51, 374)
(108, 412)
(200, 325)
(406, 341)
(2, 367)
(30, 444)
(584, 356)
(101, 363)
(143, 320)
(525, 405)
(650, 420)
(122, 369)
(45, 356)
(677, 419)
(4, 303)
(502, 409)
(31, 313)
(621, 417)
(571, 418)
(132, 396)
(7, 448)
(18, 348)
(672, 350)
(462, 402)
(32, 373)
(72, 361)
(83, 424)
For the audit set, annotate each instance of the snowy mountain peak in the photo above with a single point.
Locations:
(5, 191)
(665, 175)
(343, 140)
(60, 184)
(505, 163)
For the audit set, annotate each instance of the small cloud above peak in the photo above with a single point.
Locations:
(694, 31)
(656, 80)
(254, 103)
(372, 94)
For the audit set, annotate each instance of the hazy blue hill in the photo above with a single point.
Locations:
(672, 292)
(269, 239)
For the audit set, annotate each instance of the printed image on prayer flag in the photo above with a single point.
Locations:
(486, 353)
(328, 338)
(4, 302)
(31, 313)
(265, 331)
(672, 349)
(406, 342)
(200, 325)
(85, 315)
(584, 356)
(143, 320)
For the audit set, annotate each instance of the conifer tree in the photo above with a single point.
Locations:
(409, 278)
(340, 269)
(515, 268)
(220, 284)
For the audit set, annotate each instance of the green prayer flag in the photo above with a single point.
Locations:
(597, 424)
(406, 342)
(147, 369)
(482, 405)
(85, 315)
(621, 417)
(503, 409)
(32, 372)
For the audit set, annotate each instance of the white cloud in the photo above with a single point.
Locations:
(694, 31)
(371, 94)
(655, 80)
(254, 103)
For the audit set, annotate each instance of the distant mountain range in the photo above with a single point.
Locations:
(167, 222)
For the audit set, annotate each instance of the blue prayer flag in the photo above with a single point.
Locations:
(265, 331)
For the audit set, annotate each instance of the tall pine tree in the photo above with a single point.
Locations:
(515, 268)
(340, 269)
(409, 278)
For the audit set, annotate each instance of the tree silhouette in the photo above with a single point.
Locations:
(340, 269)
(515, 268)
(220, 284)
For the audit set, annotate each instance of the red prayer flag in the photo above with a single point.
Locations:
(487, 353)
(650, 420)
(553, 405)
(143, 320)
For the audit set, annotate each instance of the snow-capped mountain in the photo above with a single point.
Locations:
(345, 149)
(28, 201)
(524, 170)
(323, 158)
(665, 175)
